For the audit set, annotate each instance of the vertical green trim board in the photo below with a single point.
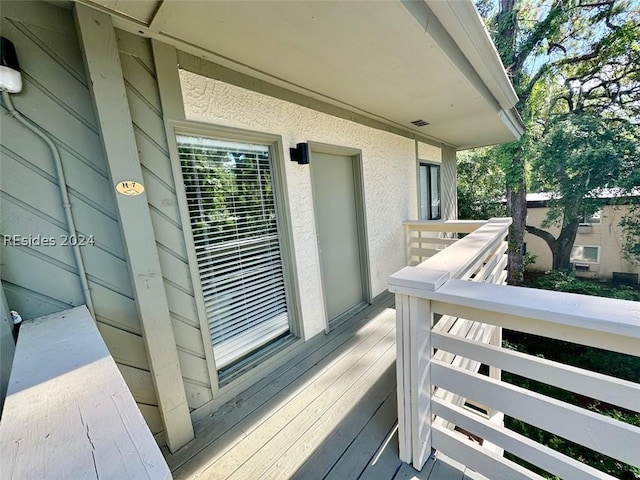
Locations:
(449, 185)
(101, 57)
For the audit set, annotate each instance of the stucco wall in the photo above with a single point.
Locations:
(389, 171)
(607, 235)
(429, 153)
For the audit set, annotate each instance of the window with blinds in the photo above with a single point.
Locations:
(230, 197)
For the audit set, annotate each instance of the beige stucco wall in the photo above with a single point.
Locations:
(607, 235)
(389, 173)
(429, 153)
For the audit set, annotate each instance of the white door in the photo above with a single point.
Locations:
(339, 224)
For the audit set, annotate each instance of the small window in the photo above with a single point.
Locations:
(581, 253)
(429, 177)
(594, 218)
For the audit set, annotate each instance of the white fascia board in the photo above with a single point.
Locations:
(451, 32)
(464, 24)
(511, 118)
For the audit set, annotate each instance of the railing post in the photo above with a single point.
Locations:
(407, 244)
(495, 372)
(420, 324)
(403, 377)
(414, 320)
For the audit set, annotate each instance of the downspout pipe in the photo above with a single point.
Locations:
(64, 193)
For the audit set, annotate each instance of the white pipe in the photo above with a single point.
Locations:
(62, 184)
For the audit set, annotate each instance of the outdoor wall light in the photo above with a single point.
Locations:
(300, 154)
(10, 78)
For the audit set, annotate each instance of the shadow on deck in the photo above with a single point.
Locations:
(331, 413)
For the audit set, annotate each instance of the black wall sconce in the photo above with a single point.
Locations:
(300, 154)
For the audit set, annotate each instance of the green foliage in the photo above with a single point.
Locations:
(631, 235)
(564, 282)
(480, 186)
(529, 259)
(608, 363)
(511, 157)
(563, 57)
(229, 193)
(581, 154)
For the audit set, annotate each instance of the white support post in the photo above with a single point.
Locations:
(403, 371)
(102, 62)
(448, 172)
(421, 322)
(414, 320)
(495, 372)
(496, 341)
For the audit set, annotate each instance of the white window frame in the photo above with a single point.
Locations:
(578, 260)
(589, 220)
(178, 127)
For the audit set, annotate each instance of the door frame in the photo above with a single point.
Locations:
(361, 219)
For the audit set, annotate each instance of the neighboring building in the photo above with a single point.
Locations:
(597, 251)
(234, 255)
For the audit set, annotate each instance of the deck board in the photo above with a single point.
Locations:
(281, 429)
(331, 413)
(365, 456)
(318, 421)
(264, 398)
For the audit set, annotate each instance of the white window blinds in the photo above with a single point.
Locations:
(229, 188)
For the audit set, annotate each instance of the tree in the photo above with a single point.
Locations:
(587, 134)
(631, 235)
(578, 157)
(575, 49)
(480, 186)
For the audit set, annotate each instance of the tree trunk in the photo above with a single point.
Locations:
(564, 245)
(505, 37)
(517, 209)
(560, 247)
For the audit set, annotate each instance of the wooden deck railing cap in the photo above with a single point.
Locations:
(417, 278)
(620, 317)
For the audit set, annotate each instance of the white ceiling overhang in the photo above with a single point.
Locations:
(393, 61)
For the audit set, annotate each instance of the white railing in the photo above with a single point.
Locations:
(429, 383)
(426, 238)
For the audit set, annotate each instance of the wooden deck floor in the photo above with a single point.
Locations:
(330, 414)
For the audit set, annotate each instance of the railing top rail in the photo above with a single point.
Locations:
(450, 226)
(437, 223)
(606, 315)
(457, 258)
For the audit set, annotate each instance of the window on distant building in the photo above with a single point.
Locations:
(591, 219)
(582, 253)
(429, 177)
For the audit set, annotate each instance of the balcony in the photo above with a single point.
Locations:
(339, 411)
(411, 392)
